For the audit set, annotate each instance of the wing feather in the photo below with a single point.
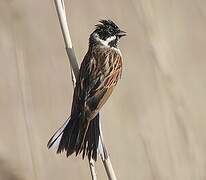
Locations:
(97, 78)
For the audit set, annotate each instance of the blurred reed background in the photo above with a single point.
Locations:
(154, 124)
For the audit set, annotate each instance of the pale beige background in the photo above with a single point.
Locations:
(154, 124)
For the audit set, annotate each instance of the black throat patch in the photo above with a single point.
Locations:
(113, 43)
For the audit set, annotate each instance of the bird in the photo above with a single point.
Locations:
(99, 73)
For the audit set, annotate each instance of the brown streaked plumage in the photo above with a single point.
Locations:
(99, 73)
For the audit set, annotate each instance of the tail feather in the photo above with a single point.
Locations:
(77, 136)
(69, 137)
(55, 139)
(90, 141)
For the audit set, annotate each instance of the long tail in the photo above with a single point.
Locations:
(80, 137)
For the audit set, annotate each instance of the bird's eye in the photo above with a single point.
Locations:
(111, 31)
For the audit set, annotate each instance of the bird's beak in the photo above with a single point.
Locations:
(121, 33)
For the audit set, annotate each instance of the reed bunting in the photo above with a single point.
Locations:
(99, 72)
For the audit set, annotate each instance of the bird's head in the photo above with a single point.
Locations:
(107, 33)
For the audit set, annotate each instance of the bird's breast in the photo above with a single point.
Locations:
(107, 60)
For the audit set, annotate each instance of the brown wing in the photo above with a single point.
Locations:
(97, 79)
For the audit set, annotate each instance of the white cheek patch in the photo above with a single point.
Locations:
(109, 39)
